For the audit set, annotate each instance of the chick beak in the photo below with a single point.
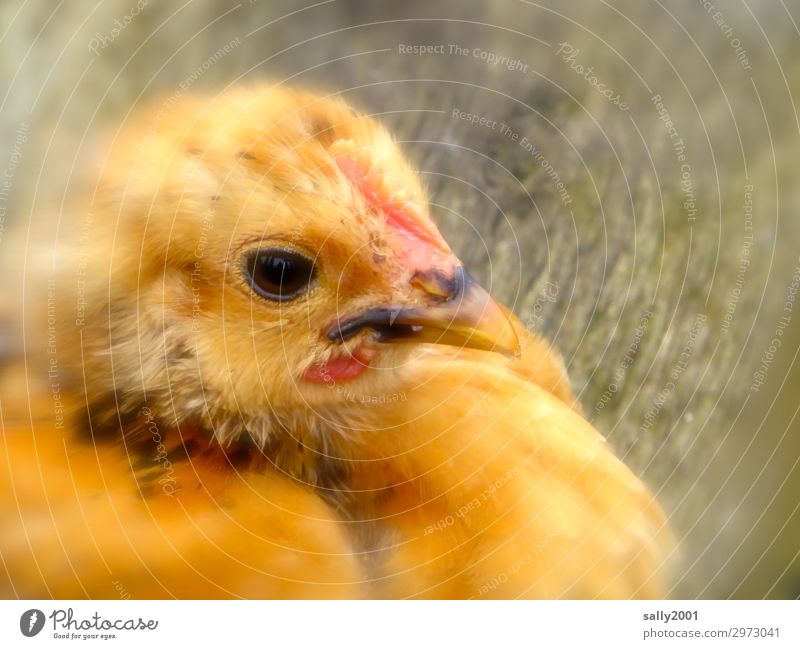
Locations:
(458, 311)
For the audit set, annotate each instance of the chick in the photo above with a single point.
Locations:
(289, 380)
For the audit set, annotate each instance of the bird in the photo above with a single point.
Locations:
(279, 381)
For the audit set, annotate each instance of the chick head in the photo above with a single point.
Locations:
(264, 252)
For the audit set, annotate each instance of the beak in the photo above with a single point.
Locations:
(461, 313)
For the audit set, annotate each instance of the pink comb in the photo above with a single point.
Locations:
(401, 212)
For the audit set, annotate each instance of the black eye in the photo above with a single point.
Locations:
(278, 274)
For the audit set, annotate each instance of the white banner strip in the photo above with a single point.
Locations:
(378, 624)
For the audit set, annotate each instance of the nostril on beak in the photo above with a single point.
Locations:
(439, 286)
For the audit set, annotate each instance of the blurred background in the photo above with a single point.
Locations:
(621, 173)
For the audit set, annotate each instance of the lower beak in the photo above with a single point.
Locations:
(464, 316)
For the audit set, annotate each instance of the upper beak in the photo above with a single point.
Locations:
(462, 313)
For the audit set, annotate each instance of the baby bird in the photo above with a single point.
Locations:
(283, 383)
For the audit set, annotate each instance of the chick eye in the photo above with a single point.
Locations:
(278, 274)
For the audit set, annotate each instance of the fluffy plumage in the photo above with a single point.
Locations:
(390, 431)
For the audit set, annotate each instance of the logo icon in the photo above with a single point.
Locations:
(31, 622)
